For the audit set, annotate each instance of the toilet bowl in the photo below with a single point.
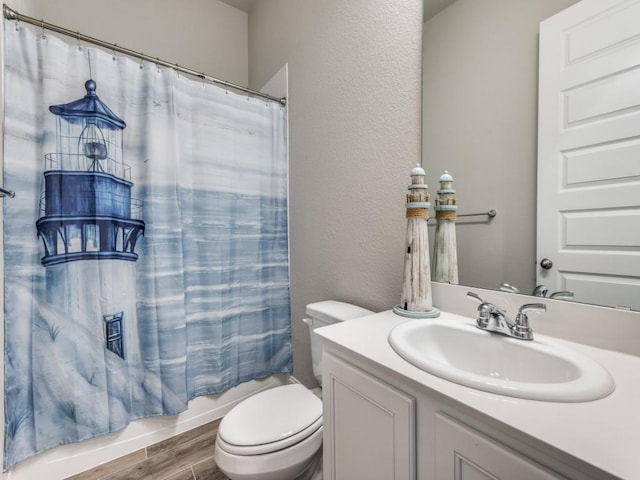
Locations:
(272, 435)
(277, 434)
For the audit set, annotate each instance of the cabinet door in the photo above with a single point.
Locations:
(465, 454)
(369, 426)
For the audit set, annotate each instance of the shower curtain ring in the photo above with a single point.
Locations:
(115, 46)
(158, 64)
(42, 26)
(78, 39)
(141, 59)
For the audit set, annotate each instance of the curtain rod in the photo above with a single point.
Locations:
(10, 14)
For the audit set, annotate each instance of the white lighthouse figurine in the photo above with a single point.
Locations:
(416, 301)
(445, 256)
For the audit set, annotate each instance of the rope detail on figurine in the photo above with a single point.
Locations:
(445, 214)
(417, 213)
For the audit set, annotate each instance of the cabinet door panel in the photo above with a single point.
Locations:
(465, 454)
(368, 426)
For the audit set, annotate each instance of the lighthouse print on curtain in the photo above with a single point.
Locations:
(146, 250)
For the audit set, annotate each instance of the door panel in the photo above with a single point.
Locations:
(463, 453)
(589, 152)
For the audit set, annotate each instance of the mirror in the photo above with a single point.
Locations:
(480, 103)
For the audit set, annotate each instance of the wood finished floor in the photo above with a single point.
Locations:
(188, 456)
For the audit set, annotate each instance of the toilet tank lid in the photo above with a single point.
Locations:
(331, 311)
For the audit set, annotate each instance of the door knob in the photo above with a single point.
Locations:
(546, 263)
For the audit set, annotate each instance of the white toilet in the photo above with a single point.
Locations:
(277, 434)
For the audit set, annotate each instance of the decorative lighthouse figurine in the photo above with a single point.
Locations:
(445, 256)
(416, 299)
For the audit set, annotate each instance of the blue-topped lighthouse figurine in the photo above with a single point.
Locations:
(89, 225)
(416, 301)
(445, 256)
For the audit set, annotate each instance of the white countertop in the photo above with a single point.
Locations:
(604, 433)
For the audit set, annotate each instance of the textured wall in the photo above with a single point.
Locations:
(354, 136)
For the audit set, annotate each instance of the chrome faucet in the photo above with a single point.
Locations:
(542, 291)
(539, 291)
(493, 319)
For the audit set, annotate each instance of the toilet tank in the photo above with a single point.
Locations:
(321, 314)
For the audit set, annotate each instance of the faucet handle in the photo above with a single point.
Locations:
(485, 309)
(562, 295)
(475, 296)
(521, 328)
(505, 287)
(532, 307)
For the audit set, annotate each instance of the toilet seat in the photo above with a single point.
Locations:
(270, 421)
(269, 447)
(287, 463)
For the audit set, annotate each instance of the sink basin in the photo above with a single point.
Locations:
(535, 370)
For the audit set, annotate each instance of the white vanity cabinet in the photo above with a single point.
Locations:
(377, 427)
(369, 426)
(386, 419)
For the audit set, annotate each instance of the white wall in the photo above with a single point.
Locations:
(354, 116)
(204, 35)
(480, 123)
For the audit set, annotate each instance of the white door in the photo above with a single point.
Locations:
(589, 152)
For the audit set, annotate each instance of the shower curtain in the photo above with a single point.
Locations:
(146, 249)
